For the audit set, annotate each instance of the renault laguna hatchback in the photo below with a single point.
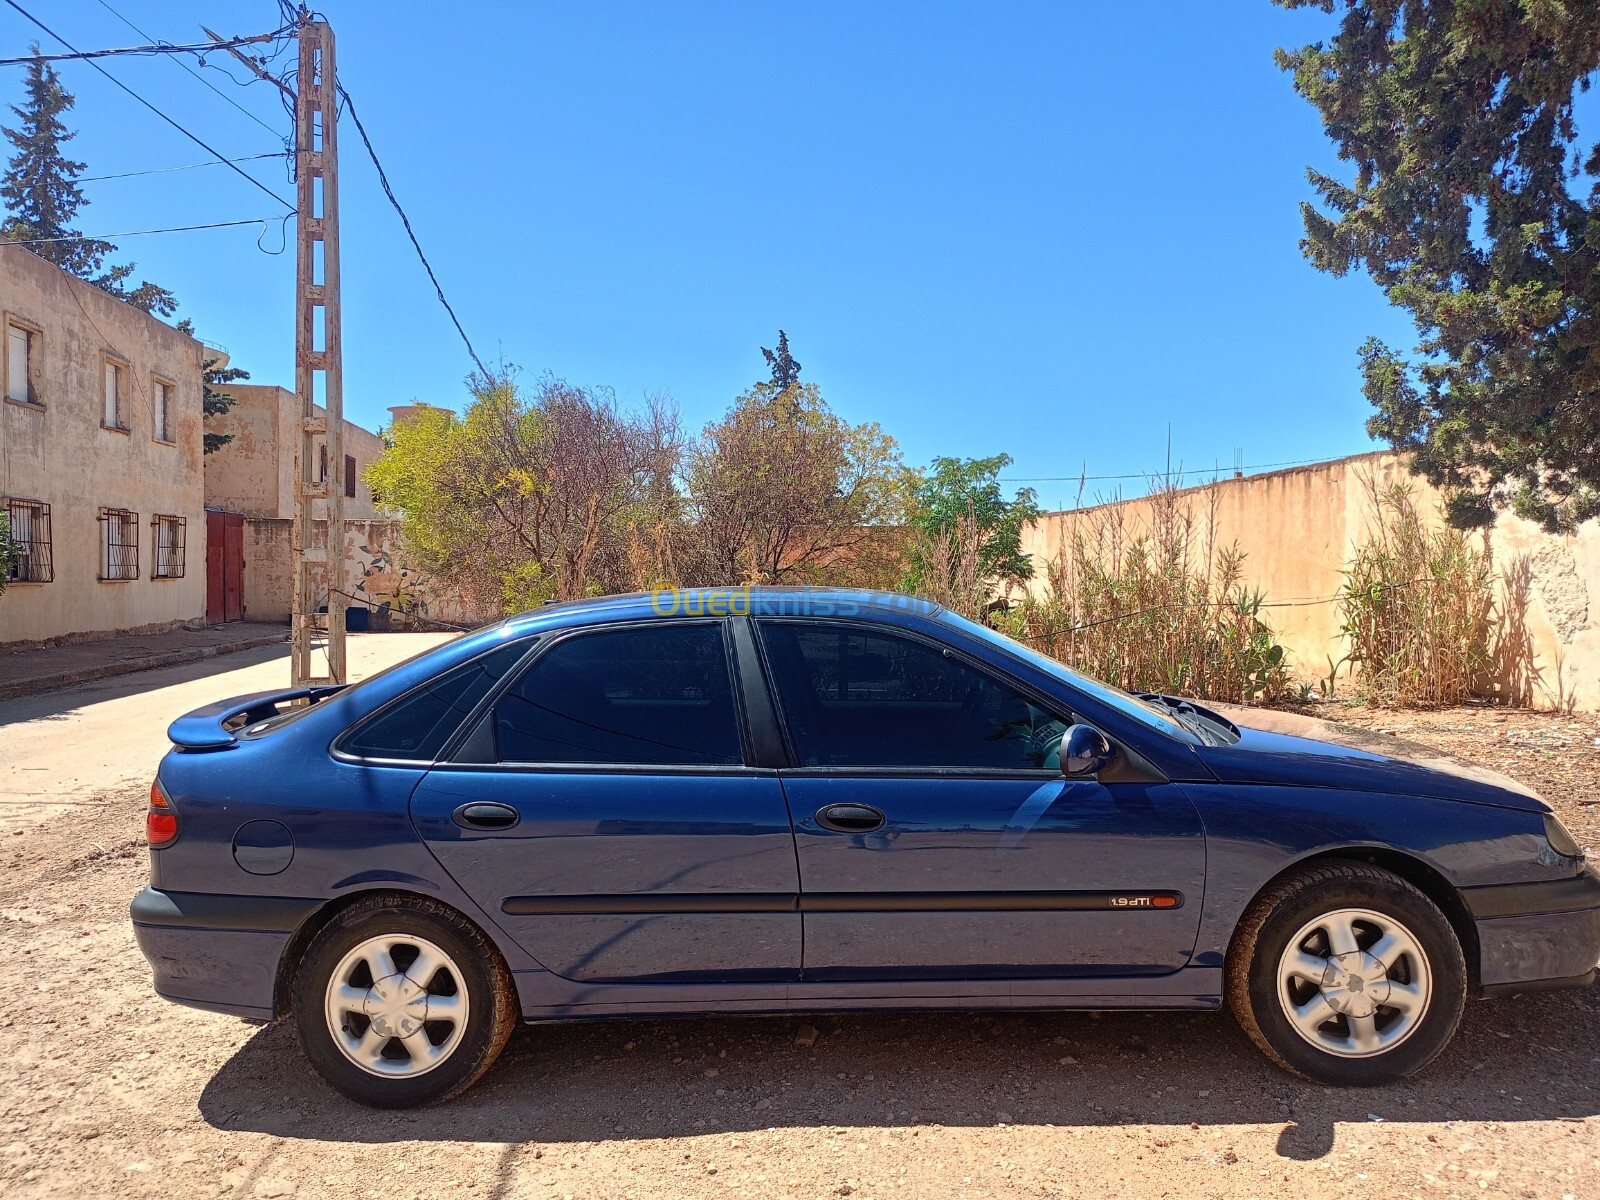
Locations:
(797, 800)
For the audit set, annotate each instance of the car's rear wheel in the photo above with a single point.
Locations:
(1345, 973)
(400, 1001)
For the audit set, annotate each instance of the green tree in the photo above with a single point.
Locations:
(40, 191)
(959, 508)
(1472, 203)
(10, 551)
(213, 401)
(783, 488)
(785, 370)
(530, 496)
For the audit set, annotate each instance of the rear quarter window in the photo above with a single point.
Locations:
(415, 727)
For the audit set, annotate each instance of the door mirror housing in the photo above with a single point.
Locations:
(1085, 751)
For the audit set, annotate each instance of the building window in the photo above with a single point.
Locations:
(322, 464)
(350, 476)
(115, 395)
(19, 352)
(171, 537)
(29, 522)
(119, 544)
(165, 426)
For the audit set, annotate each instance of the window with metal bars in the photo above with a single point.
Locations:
(119, 544)
(171, 538)
(350, 475)
(29, 522)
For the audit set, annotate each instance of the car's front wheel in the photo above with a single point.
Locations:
(1345, 973)
(400, 1001)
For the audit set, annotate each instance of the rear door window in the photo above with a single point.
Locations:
(658, 694)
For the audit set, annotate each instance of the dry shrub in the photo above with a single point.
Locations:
(1161, 608)
(952, 574)
(1417, 606)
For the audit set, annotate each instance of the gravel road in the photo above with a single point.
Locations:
(107, 1091)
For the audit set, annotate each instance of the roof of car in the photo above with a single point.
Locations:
(758, 601)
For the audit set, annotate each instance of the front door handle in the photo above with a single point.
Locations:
(482, 814)
(850, 818)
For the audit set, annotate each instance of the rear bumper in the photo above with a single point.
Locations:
(1537, 936)
(215, 952)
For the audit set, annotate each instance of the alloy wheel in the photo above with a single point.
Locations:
(1354, 982)
(397, 1006)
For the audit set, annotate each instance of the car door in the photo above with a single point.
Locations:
(601, 810)
(938, 839)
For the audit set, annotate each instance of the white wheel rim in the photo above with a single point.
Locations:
(1354, 983)
(397, 1006)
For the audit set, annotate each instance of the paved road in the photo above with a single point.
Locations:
(64, 748)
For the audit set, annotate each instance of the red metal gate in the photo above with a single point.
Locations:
(224, 566)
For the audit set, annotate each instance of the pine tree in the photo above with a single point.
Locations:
(785, 371)
(41, 194)
(1472, 196)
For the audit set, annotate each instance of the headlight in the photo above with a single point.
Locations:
(1560, 840)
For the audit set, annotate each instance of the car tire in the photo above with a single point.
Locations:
(1365, 1018)
(400, 1001)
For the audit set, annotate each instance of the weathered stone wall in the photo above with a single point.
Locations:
(1299, 527)
(375, 572)
(56, 450)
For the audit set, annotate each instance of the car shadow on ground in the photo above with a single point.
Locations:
(1535, 1057)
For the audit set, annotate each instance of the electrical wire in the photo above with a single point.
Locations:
(264, 222)
(157, 48)
(208, 148)
(214, 162)
(1303, 462)
(196, 74)
(406, 221)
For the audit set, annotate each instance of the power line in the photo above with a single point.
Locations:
(105, 237)
(196, 74)
(404, 220)
(1302, 462)
(209, 149)
(214, 162)
(158, 48)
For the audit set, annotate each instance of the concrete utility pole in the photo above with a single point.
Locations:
(317, 291)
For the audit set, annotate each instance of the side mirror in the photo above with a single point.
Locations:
(1085, 751)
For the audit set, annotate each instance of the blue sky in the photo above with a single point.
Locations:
(1046, 229)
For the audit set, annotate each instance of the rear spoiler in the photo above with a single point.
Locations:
(213, 727)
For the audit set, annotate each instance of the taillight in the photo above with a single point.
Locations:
(160, 822)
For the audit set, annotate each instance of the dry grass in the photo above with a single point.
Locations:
(1418, 608)
(1161, 607)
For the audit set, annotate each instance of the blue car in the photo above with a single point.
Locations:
(798, 800)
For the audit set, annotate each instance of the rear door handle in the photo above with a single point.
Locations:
(850, 818)
(482, 814)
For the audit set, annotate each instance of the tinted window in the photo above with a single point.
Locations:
(418, 724)
(857, 698)
(658, 695)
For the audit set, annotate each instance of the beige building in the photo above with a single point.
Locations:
(1298, 528)
(100, 460)
(254, 473)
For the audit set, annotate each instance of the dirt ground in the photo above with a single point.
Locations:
(107, 1091)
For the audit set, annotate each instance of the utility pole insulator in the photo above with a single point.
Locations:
(319, 454)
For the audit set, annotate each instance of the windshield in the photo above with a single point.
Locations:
(1124, 702)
